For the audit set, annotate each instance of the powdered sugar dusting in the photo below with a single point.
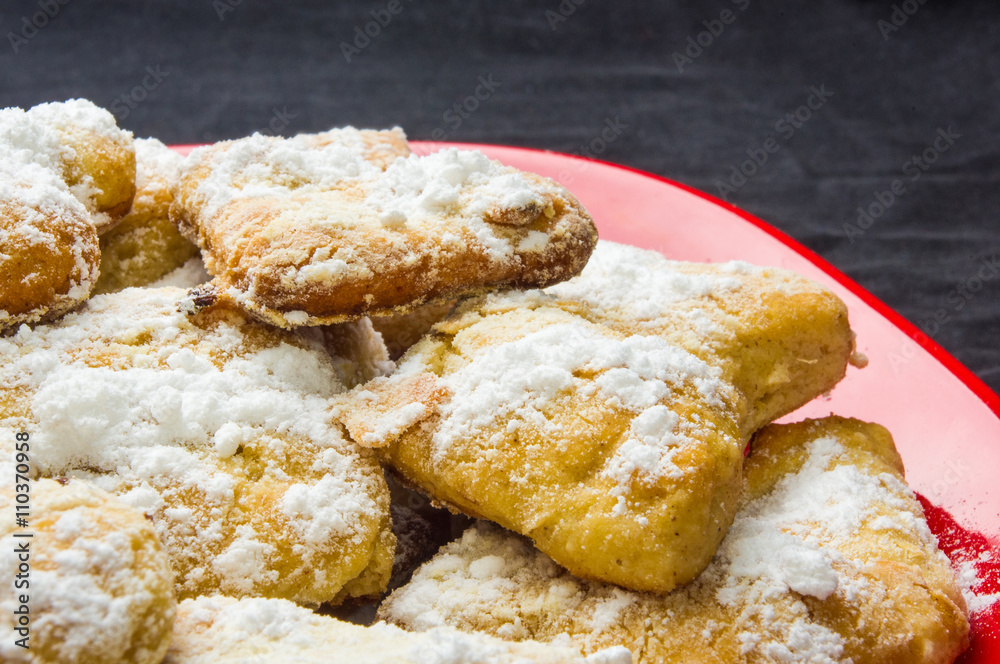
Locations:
(36, 137)
(157, 166)
(271, 166)
(799, 540)
(976, 598)
(645, 283)
(98, 583)
(45, 221)
(418, 190)
(132, 394)
(414, 191)
(520, 378)
(189, 275)
(648, 290)
(222, 629)
(27, 138)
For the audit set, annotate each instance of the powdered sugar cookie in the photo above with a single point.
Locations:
(66, 173)
(220, 630)
(617, 449)
(217, 426)
(779, 338)
(307, 235)
(86, 581)
(50, 252)
(145, 246)
(95, 157)
(829, 560)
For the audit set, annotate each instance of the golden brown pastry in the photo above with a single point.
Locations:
(217, 426)
(561, 422)
(306, 232)
(829, 560)
(223, 630)
(95, 157)
(91, 582)
(145, 246)
(66, 173)
(49, 254)
(781, 339)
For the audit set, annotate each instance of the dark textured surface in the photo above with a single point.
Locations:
(227, 68)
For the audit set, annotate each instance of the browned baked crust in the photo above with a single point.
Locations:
(829, 560)
(587, 427)
(66, 173)
(305, 231)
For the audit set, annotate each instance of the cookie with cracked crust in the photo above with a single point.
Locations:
(303, 233)
(829, 560)
(615, 445)
(93, 583)
(218, 427)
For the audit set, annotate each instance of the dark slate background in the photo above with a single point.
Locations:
(898, 72)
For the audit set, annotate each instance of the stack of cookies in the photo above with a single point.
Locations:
(273, 377)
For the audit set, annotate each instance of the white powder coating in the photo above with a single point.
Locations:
(219, 630)
(419, 190)
(189, 275)
(270, 166)
(98, 417)
(522, 378)
(650, 291)
(976, 598)
(39, 211)
(25, 138)
(644, 283)
(415, 191)
(132, 394)
(43, 217)
(393, 423)
(785, 545)
(99, 584)
(36, 137)
(80, 114)
(156, 165)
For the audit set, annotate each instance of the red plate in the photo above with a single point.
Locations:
(945, 421)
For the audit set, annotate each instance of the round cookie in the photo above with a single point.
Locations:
(98, 584)
(66, 173)
(217, 427)
(97, 159)
(50, 255)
